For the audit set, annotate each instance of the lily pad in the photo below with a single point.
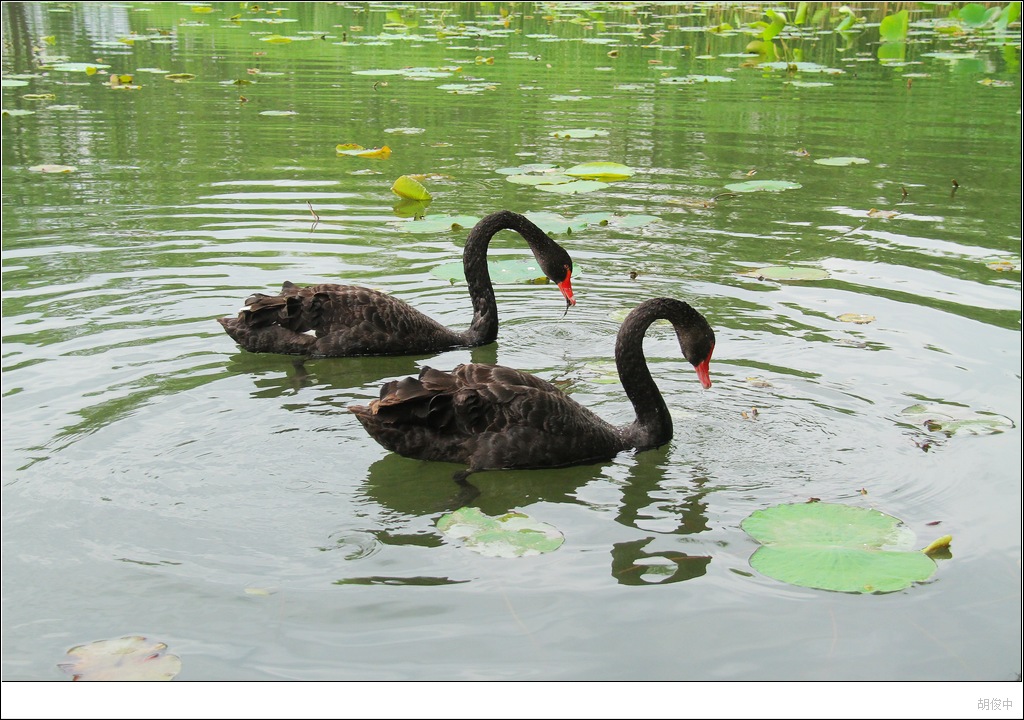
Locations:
(540, 179)
(605, 171)
(13, 83)
(381, 153)
(278, 113)
(841, 161)
(53, 168)
(132, 657)
(14, 112)
(579, 133)
(787, 272)
(836, 547)
(763, 186)
(527, 169)
(513, 534)
(87, 68)
(180, 77)
(410, 188)
(516, 270)
(572, 188)
(856, 318)
(440, 223)
(955, 420)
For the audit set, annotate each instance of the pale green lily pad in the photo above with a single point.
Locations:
(956, 420)
(513, 534)
(695, 79)
(527, 169)
(53, 168)
(542, 179)
(88, 68)
(807, 67)
(841, 161)
(516, 270)
(763, 186)
(856, 318)
(809, 84)
(605, 171)
(572, 188)
(787, 272)
(278, 113)
(14, 112)
(440, 223)
(836, 547)
(411, 188)
(7, 82)
(579, 133)
(132, 657)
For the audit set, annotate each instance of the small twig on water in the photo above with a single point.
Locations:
(315, 216)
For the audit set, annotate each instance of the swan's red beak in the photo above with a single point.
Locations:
(566, 287)
(704, 374)
(704, 370)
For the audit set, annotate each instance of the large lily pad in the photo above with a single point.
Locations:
(440, 223)
(572, 188)
(132, 657)
(787, 273)
(604, 171)
(836, 547)
(513, 534)
(956, 420)
(516, 270)
(841, 161)
(763, 186)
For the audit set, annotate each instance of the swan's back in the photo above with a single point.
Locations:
(486, 416)
(347, 320)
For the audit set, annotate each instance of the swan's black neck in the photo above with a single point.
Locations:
(653, 424)
(484, 328)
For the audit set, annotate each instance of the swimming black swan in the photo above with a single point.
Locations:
(491, 416)
(351, 320)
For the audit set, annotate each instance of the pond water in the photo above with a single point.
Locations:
(160, 481)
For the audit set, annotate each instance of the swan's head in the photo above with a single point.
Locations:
(697, 343)
(557, 265)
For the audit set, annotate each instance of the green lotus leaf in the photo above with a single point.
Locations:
(131, 657)
(840, 161)
(515, 270)
(88, 68)
(278, 113)
(527, 169)
(6, 82)
(544, 179)
(955, 420)
(579, 133)
(763, 186)
(411, 188)
(440, 223)
(787, 272)
(513, 534)
(572, 188)
(605, 171)
(836, 547)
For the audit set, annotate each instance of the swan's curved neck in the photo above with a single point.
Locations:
(653, 424)
(484, 328)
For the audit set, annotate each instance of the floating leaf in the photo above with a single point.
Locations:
(836, 547)
(937, 544)
(1004, 265)
(787, 272)
(513, 534)
(53, 168)
(763, 186)
(955, 420)
(132, 657)
(278, 113)
(572, 188)
(381, 153)
(13, 112)
(840, 161)
(440, 223)
(407, 187)
(13, 83)
(517, 270)
(527, 168)
(87, 68)
(579, 133)
(856, 318)
(180, 77)
(605, 171)
(540, 179)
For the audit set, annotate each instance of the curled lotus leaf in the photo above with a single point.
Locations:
(513, 534)
(132, 657)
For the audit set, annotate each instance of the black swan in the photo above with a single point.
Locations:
(492, 417)
(350, 320)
